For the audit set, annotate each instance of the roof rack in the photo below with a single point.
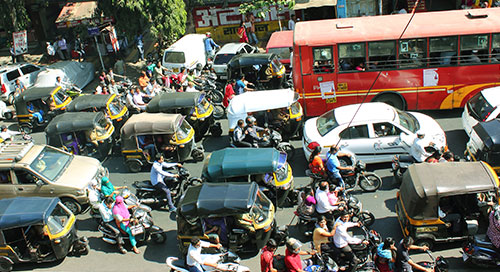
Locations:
(14, 151)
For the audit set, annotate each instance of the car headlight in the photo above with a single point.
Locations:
(81, 192)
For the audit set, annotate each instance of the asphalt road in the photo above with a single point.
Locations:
(104, 257)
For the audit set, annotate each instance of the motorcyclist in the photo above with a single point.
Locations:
(106, 211)
(293, 262)
(194, 258)
(417, 150)
(158, 175)
(343, 239)
(251, 133)
(403, 261)
(107, 188)
(493, 231)
(239, 135)
(333, 164)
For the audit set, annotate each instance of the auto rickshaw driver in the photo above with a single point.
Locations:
(39, 244)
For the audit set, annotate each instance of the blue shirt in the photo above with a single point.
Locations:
(240, 87)
(209, 44)
(332, 163)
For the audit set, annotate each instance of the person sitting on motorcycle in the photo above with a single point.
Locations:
(321, 237)
(107, 188)
(417, 150)
(251, 133)
(122, 217)
(267, 256)
(194, 260)
(403, 261)
(493, 231)
(323, 206)
(386, 255)
(239, 134)
(158, 175)
(106, 211)
(316, 163)
(342, 239)
(293, 262)
(333, 197)
(307, 202)
(333, 164)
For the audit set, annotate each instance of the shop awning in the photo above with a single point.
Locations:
(304, 4)
(78, 13)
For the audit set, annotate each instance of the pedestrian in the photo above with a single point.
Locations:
(120, 68)
(79, 48)
(51, 52)
(250, 27)
(13, 53)
(62, 48)
(210, 46)
(291, 22)
(140, 45)
(229, 92)
(242, 33)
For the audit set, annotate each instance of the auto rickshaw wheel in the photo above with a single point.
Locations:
(26, 129)
(197, 155)
(8, 115)
(159, 238)
(72, 205)
(10, 99)
(425, 242)
(134, 166)
(6, 264)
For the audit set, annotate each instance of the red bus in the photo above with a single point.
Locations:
(442, 59)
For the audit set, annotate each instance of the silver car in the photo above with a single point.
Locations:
(226, 53)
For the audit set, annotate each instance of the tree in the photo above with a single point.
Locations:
(13, 15)
(262, 6)
(164, 18)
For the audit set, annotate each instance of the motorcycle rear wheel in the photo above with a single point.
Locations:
(369, 182)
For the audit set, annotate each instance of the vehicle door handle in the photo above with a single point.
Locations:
(344, 145)
(20, 188)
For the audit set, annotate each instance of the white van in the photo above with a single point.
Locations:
(188, 52)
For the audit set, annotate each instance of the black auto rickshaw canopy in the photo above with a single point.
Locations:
(247, 60)
(489, 133)
(236, 162)
(25, 211)
(218, 199)
(85, 102)
(425, 183)
(31, 94)
(168, 102)
(73, 121)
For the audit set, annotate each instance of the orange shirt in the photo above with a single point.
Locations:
(143, 81)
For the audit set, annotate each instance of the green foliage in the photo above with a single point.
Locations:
(164, 18)
(262, 6)
(13, 15)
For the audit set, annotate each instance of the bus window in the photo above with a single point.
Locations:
(381, 55)
(443, 51)
(495, 48)
(474, 49)
(351, 56)
(412, 53)
(323, 60)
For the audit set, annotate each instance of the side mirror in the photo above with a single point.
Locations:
(39, 183)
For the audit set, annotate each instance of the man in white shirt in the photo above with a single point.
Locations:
(130, 101)
(194, 259)
(417, 149)
(291, 22)
(190, 88)
(323, 206)
(157, 176)
(138, 95)
(342, 239)
(108, 221)
(7, 134)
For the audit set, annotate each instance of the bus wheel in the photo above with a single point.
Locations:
(391, 99)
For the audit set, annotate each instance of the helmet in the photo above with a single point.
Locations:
(293, 244)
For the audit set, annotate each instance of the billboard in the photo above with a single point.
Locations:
(20, 39)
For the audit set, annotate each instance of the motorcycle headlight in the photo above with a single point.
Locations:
(138, 213)
(125, 193)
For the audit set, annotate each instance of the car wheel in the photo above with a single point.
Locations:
(72, 205)
(8, 115)
(134, 166)
(10, 99)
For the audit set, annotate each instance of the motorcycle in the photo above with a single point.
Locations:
(479, 251)
(129, 199)
(400, 163)
(438, 264)
(368, 181)
(275, 140)
(141, 226)
(149, 195)
(226, 261)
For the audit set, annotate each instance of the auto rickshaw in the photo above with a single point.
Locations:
(36, 106)
(146, 134)
(445, 202)
(81, 133)
(241, 211)
(264, 70)
(37, 230)
(109, 104)
(278, 109)
(193, 105)
(484, 144)
(266, 166)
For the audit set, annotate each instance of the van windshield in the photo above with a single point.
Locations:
(479, 107)
(50, 163)
(282, 52)
(223, 58)
(174, 57)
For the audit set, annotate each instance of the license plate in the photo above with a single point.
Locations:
(176, 70)
(331, 100)
(465, 257)
(136, 230)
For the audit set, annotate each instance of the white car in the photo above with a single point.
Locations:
(482, 107)
(75, 73)
(377, 133)
(25, 72)
(226, 53)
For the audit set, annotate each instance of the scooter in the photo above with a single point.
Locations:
(479, 251)
(439, 264)
(149, 195)
(226, 261)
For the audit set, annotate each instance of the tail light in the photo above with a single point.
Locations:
(469, 249)
(4, 89)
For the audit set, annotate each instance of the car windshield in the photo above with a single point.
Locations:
(50, 163)
(58, 219)
(174, 57)
(260, 208)
(326, 122)
(408, 121)
(183, 130)
(115, 107)
(479, 107)
(282, 52)
(223, 58)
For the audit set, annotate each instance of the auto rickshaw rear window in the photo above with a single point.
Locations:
(59, 97)
(58, 219)
(183, 130)
(50, 163)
